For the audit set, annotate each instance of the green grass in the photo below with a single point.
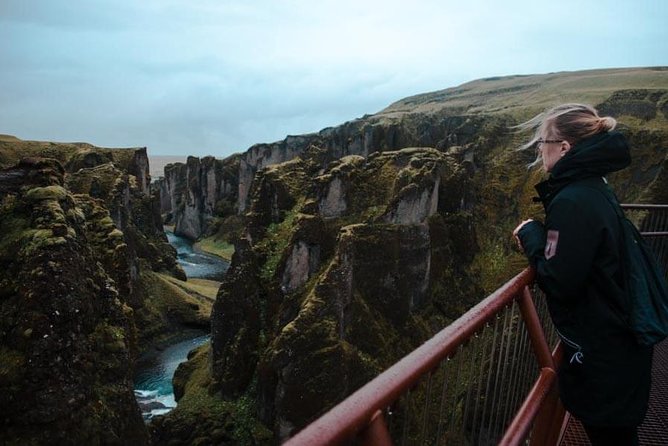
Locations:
(201, 287)
(505, 94)
(217, 247)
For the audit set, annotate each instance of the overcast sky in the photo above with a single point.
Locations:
(188, 77)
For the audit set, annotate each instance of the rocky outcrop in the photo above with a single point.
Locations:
(196, 193)
(85, 285)
(67, 334)
(133, 212)
(309, 300)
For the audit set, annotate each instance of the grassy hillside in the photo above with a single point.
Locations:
(527, 94)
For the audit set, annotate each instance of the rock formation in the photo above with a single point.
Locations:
(196, 192)
(82, 260)
(67, 331)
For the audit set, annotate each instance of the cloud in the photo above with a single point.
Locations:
(212, 77)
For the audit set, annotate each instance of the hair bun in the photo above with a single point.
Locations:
(607, 123)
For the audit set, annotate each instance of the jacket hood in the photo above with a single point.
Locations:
(595, 156)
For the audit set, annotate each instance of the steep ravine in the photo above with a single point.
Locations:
(87, 282)
(155, 369)
(352, 246)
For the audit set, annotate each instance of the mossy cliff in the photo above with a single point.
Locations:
(329, 287)
(473, 118)
(353, 251)
(115, 183)
(86, 283)
(198, 195)
(66, 332)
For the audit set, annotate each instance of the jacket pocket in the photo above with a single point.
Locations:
(578, 355)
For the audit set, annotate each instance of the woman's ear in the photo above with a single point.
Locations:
(565, 147)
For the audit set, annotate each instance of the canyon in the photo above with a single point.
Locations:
(352, 246)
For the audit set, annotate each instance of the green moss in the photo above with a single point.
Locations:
(12, 367)
(46, 193)
(216, 246)
(14, 230)
(39, 239)
(116, 234)
(203, 418)
(169, 305)
(276, 240)
(109, 338)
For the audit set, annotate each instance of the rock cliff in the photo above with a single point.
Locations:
(67, 334)
(199, 193)
(83, 261)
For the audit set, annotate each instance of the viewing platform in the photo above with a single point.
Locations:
(654, 430)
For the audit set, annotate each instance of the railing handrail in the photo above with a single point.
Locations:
(353, 414)
(637, 206)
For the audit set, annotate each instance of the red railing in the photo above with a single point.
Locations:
(361, 415)
(480, 410)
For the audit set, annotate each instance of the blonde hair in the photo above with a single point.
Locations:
(568, 122)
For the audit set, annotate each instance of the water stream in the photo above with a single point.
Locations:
(155, 369)
(197, 264)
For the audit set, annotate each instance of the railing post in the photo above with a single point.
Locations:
(376, 433)
(545, 431)
(536, 333)
(520, 427)
(547, 425)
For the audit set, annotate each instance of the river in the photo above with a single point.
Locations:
(195, 263)
(155, 369)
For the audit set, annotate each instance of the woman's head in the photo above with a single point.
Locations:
(558, 129)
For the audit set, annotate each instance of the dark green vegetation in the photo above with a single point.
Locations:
(87, 281)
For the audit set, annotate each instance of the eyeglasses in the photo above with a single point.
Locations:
(542, 141)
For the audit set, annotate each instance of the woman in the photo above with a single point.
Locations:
(604, 378)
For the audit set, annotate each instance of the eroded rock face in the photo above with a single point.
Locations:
(302, 263)
(82, 251)
(237, 325)
(67, 332)
(333, 203)
(329, 292)
(193, 193)
(134, 212)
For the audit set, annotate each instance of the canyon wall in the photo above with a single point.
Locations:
(68, 333)
(81, 248)
(194, 193)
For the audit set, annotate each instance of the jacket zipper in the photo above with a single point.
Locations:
(578, 355)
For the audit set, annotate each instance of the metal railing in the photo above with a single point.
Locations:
(488, 378)
(463, 386)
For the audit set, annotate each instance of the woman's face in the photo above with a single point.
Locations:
(551, 150)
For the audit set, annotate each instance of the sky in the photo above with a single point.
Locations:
(206, 77)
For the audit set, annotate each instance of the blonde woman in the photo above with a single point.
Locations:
(604, 378)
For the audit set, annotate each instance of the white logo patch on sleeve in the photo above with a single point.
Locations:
(551, 244)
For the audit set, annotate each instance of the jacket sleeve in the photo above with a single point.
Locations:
(532, 236)
(563, 251)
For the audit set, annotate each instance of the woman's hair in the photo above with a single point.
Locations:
(568, 122)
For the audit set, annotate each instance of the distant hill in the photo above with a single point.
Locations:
(522, 93)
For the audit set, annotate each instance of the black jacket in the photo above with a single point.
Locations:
(605, 376)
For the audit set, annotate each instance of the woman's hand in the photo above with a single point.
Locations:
(517, 229)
